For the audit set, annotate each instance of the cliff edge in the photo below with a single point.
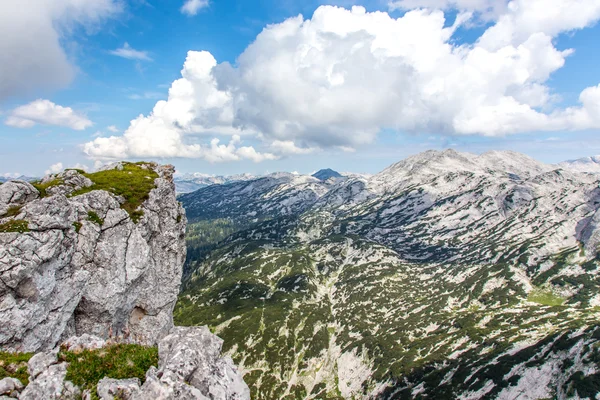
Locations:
(92, 259)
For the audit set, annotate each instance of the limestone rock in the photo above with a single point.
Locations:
(15, 194)
(71, 182)
(81, 282)
(167, 385)
(193, 354)
(50, 384)
(70, 276)
(84, 342)
(10, 387)
(123, 389)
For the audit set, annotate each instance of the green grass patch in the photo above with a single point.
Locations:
(13, 211)
(95, 218)
(77, 226)
(120, 361)
(14, 365)
(545, 297)
(133, 182)
(43, 187)
(15, 225)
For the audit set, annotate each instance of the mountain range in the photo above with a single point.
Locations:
(586, 164)
(190, 182)
(447, 275)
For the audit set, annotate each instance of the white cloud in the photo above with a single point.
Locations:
(288, 147)
(55, 169)
(59, 167)
(148, 139)
(130, 53)
(191, 7)
(146, 96)
(45, 112)
(338, 79)
(113, 129)
(486, 8)
(31, 54)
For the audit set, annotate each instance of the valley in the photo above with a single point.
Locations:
(447, 275)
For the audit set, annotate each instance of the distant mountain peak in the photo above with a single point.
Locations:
(327, 173)
(585, 164)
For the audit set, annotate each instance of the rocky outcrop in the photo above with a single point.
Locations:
(86, 269)
(193, 355)
(190, 368)
(72, 274)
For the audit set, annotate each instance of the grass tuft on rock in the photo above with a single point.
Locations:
(14, 365)
(95, 218)
(13, 211)
(119, 361)
(14, 226)
(134, 183)
(42, 187)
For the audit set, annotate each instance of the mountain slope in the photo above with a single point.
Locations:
(447, 275)
(188, 183)
(586, 164)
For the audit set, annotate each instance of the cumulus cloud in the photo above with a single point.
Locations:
(113, 129)
(339, 78)
(286, 147)
(45, 112)
(33, 58)
(130, 53)
(191, 7)
(55, 169)
(157, 141)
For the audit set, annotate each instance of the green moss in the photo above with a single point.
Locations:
(77, 226)
(16, 225)
(42, 187)
(14, 365)
(545, 297)
(92, 216)
(118, 361)
(133, 183)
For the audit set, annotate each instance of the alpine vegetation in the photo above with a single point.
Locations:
(447, 275)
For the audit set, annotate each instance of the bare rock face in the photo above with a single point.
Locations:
(82, 273)
(193, 354)
(109, 388)
(71, 275)
(15, 194)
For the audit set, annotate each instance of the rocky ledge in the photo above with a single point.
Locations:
(89, 258)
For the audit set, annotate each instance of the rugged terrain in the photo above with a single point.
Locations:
(90, 270)
(447, 275)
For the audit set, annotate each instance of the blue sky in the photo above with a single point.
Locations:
(108, 91)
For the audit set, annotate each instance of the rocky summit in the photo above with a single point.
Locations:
(90, 270)
(446, 276)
